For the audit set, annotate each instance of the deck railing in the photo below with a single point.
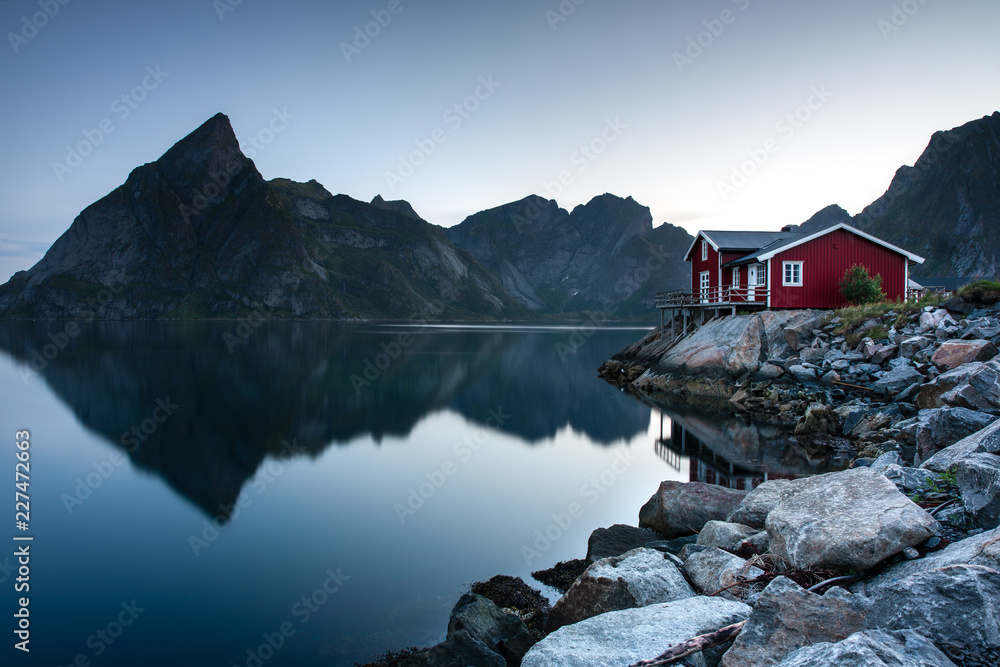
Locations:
(914, 293)
(725, 295)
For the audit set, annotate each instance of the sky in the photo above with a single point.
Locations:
(716, 114)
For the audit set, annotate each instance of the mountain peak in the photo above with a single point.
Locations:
(210, 150)
(398, 205)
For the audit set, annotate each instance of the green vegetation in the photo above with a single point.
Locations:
(858, 287)
(981, 292)
(853, 318)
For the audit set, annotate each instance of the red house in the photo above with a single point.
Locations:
(788, 269)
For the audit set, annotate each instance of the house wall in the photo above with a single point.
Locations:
(697, 265)
(825, 260)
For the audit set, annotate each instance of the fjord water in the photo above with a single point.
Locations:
(312, 494)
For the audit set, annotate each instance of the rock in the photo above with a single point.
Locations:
(638, 578)
(715, 569)
(872, 648)
(504, 634)
(958, 603)
(673, 546)
(958, 306)
(802, 374)
(897, 380)
(910, 346)
(884, 353)
(830, 378)
(616, 540)
(754, 508)
(979, 483)
(787, 617)
(682, 508)
(818, 418)
(938, 428)
(769, 371)
(725, 535)
(930, 394)
(799, 334)
(930, 320)
(984, 441)
(845, 520)
(888, 459)
(909, 479)
(689, 550)
(459, 650)
(981, 391)
(955, 353)
(625, 637)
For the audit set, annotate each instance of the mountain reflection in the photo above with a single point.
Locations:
(186, 402)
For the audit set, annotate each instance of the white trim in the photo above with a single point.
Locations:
(767, 267)
(909, 255)
(784, 273)
(697, 236)
(704, 286)
(704, 250)
(906, 280)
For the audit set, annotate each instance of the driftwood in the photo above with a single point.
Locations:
(694, 645)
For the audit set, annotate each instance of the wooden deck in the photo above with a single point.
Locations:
(694, 306)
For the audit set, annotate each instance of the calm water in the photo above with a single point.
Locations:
(339, 484)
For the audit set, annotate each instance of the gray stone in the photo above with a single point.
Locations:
(787, 617)
(818, 418)
(931, 393)
(911, 346)
(886, 460)
(985, 441)
(954, 353)
(638, 578)
(689, 550)
(897, 380)
(673, 546)
(616, 540)
(725, 535)
(931, 320)
(770, 372)
(682, 508)
(754, 508)
(884, 353)
(504, 634)
(872, 648)
(938, 428)
(909, 479)
(714, 569)
(802, 374)
(979, 483)
(958, 603)
(459, 650)
(981, 391)
(621, 638)
(845, 520)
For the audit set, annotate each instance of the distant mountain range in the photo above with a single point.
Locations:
(200, 234)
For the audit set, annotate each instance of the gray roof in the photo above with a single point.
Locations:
(783, 239)
(737, 240)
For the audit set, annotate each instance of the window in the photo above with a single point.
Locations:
(704, 250)
(791, 274)
(760, 273)
(736, 276)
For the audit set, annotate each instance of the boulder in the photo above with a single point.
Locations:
(638, 578)
(958, 306)
(930, 320)
(910, 346)
(755, 506)
(985, 441)
(958, 604)
(845, 520)
(682, 508)
(725, 535)
(504, 634)
(627, 636)
(616, 540)
(930, 394)
(802, 374)
(714, 569)
(908, 480)
(884, 353)
(872, 648)
(818, 418)
(787, 617)
(979, 483)
(935, 429)
(459, 650)
(954, 353)
(885, 460)
(981, 391)
(896, 380)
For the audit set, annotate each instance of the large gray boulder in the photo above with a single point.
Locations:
(982, 549)
(617, 540)
(638, 578)
(754, 508)
(845, 520)
(896, 380)
(683, 508)
(714, 569)
(872, 648)
(623, 637)
(978, 478)
(957, 604)
(930, 393)
(934, 429)
(787, 617)
(725, 535)
(504, 634)
(984, 441)
(458, 650)
(955, 353)
(981, 391)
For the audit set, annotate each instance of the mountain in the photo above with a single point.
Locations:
(200, 234)
(605, 252)
(945, 208)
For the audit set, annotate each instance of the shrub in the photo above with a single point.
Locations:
(985, 292)
(858, 287)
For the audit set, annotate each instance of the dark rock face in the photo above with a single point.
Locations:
(616, 540)
(683, 508)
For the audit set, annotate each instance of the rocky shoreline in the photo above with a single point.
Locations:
(894, 561)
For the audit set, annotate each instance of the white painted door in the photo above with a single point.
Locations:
(705, 286)
(751, 282)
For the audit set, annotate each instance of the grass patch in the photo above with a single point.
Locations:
(981, 292)
(854, 317)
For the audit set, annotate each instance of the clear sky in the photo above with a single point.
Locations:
(459, 106)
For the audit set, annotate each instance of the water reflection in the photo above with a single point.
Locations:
(203, 404)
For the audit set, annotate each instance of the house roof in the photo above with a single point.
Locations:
(787, 240)
(735, 240)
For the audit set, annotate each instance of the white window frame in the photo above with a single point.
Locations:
(785, 266)
(736, 276)
(704, 285)
(761, 276)
(704, 251)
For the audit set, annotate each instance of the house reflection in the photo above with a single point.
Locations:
(733, 451)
